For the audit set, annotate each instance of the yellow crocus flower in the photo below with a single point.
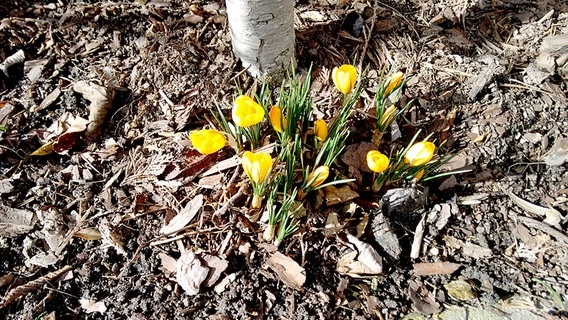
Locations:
(394, 81)
(344, 78)
(246, 112)
(207, 141)
(377, 161)
(420, 153)
(257, 165)
(277, 119)
(318, 176)
(320, 130)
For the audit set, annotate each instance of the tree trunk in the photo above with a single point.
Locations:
(262, 33)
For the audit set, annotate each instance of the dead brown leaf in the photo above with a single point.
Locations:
(89, 234)
(422, 299)
(14, 222)
(364, 261)
(190, 272)
(288, 270)
(184, 217)
(334, 195)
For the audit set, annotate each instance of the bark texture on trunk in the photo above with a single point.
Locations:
(262, 33)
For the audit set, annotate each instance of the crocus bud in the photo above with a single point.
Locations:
(318, 176)
(320, 130)
(207, 141)
(277, 119)
(246, 112)
(377, 161)
(344, 78)
(420, 153)
(394, 81)
(388, 116)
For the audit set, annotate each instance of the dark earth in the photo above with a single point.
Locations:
(80, 219)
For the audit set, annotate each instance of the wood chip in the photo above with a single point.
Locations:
(434, 268)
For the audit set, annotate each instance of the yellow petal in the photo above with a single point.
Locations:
(207, 141)
(394, 81)
(377, 161)
(320, 130)
(419, 175)
(247, 161)
(277, 119)
(246, 112)
(344, 78)
(420, 153)
(388, 116)
(256, 165)
(318, 176)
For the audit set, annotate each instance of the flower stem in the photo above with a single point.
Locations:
(377, 137)
(268, 233)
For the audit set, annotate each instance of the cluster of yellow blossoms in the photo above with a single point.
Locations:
(246, 113)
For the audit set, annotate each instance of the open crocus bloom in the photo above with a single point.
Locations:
(277, 119)
(207, 141)
(344, 78)
(377, 161)
(420, 153)
(246, 112)
(320, 130)
(318, 176)
(257, 165)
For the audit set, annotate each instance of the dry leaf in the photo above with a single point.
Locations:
(14, 222)
(334, 195)
(365, 261)
(43, 259)
(558, 153)
(111, 238)
(44, 150)
(332, 225)
(48, 100)
(460, 289)
(217, 266)
(223, 284)
(89, 234)
(552, 216)
(184, 217)
(288, 270)
(190, 272)
(169, 264)
(5, 279)
(422, 299)
(432, 268)
(101, 101)
(91, 306)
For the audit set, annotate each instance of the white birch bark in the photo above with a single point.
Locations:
(262, 33)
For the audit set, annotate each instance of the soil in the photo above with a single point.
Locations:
(490, 77)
